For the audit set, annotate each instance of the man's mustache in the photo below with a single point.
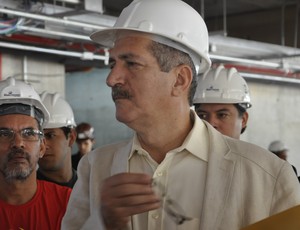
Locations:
(18, 152)
(119, 93)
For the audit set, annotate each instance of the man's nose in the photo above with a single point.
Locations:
(116, 75)
(17, 140)
(212, 120)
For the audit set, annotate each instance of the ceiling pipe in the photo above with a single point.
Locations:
(246, 61)
(263, 71)
(62, 21)
(55, 33)
(91, 56)
(225, 17)
(282, 23)
(202, 10)
(284, 66)
(25, 69)
(296, 24)
(1, 66)
(83, 56)
(270, 78)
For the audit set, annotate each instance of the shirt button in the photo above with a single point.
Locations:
(155, 216)
(160, 173)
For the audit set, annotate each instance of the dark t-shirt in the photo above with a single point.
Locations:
(69, 184)
(75, 160)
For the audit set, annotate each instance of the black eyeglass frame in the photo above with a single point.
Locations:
(27, 134)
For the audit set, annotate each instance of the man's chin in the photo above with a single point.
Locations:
(121, 117)
(125, 113)
(17, 174)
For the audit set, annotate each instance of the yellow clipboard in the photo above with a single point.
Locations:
(286, 220)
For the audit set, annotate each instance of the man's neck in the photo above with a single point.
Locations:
(159, 140)
(62, 175)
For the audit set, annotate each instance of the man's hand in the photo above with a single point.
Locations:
(124, 195)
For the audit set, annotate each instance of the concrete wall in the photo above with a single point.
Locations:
(42, 74)
(91, 101)
(274, 114)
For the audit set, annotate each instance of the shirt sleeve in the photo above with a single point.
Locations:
(287, 190)
(78, 215)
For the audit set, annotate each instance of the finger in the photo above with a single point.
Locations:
(124, 190)
(137, 209)
(115, 219)
(128, 178)
(136, 200)
(126, 184)
(117, 214)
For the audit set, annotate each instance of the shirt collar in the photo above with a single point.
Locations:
(196, 142)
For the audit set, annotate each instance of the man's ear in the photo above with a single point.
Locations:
(72, 137)
(245, 119)
(184, 77)
(42, 147)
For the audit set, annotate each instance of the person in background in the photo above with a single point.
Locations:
(281, 150)
(222, 99)
(85, 141)
(60, 135)
(25, 202)
(177, 171)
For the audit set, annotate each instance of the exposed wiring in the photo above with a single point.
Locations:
(10, 26)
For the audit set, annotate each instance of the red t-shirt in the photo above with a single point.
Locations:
(44, 212)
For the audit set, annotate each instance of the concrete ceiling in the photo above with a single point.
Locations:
(256, 30)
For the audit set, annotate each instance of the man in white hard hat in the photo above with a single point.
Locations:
(222, 99)
(25, 202)
(60, 135)
(177, 172)
(85, 141)
(281, 150)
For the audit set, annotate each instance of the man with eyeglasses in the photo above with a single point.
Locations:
(177, 172)
(25, 202)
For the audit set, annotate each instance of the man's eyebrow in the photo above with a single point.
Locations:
(125, 56)
(49, 131)
(219, 110)
(223, 110)
(201, 110)
(29, 127)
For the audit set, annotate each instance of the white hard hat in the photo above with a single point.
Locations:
(61, 113)
(20, 93)
(172, 22)
(277, 146)
(224, 86)
(84, 131)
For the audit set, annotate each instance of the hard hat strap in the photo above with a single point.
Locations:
(18, 108)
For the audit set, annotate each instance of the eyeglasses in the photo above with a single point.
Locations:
(171, 207)
(27, 134)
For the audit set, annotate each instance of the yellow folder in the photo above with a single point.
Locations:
(286, 220)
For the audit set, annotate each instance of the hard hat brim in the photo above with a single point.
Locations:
(107, 37)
